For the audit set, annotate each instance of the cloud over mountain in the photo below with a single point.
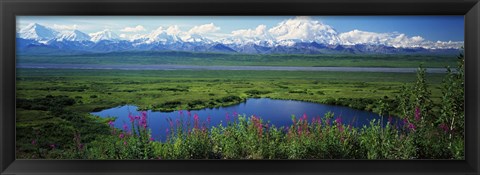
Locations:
(137, 28)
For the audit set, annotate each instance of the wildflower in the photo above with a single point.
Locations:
(338, 120)
(132, 118)
(121, 135)
(444, 127)
(166, 131)
(195, 121)
(34, 142)
(125, 127)
(111, 123)
(180, 112)
(52, 146)
(209, 119)
(189, 114)
(151, 139)
(235, 114)
(170, 122)
(417, 114)
(143, 120)
(124, 142)
(411, 126)
(80, 146)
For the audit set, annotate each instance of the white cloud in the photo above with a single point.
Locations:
(205, 28)
(65, 27)
(137, 28)
(251, 33)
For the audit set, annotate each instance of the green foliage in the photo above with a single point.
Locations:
(50, 119)
(209, 59)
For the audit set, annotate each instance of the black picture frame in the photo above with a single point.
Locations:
(10, 8)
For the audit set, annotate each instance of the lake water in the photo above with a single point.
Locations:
(278, 112)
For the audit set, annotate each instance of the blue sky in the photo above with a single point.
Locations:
(433, 28)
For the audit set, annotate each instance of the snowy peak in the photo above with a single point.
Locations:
(37, 32)
(304, 29)
(74, 35)
(160, 35)
(195, 38)
(104, 35)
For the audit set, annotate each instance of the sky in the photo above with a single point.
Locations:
(431, 28)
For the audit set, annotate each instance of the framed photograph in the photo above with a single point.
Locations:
(152, 87)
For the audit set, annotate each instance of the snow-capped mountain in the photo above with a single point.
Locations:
(104, 35)
(37, 32)
(300, 36)
(74, 35)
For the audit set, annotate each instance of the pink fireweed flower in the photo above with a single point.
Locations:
(111, 123)
(195, 121)
(166, 131)
(121, 135)
(417, 114)
(151, 139)
(125, 127)
(52, 146)
(131, 117)
(411, 126)
(180, 112)
(444, 127)
(235, 114)
(170, 122)
(143, 121)
(209, 119)
(177, 121)
(338, 120)
(34, 142)
(304, 117)
(124, 142)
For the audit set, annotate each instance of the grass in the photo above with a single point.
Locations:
(171, 90)
(58, 121)
(208, 59)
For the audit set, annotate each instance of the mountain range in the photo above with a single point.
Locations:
(39, 39)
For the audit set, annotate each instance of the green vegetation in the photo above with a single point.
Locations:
(53, 120)
(94, 90)
(209, 59)
(423, 134)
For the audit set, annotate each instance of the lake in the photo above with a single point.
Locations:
(278, 112)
